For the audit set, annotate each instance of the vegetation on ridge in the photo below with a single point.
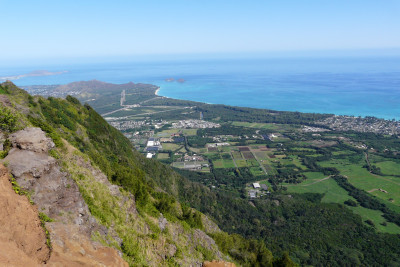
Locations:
(154, 186)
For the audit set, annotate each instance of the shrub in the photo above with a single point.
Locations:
(8, 121)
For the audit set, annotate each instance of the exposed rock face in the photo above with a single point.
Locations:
(71, 248)
(32, 139)
(162, 222)
(22, 239)
(58, 196)
(53, 191)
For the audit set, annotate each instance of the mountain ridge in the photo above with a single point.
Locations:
(82, 153)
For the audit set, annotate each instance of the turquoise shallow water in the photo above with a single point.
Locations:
(346, 86)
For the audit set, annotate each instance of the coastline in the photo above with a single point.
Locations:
(338, 114)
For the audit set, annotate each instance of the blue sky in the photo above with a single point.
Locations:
(74, 29)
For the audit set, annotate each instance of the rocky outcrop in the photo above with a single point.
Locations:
(58, 196)
(22, 239)
(32, 139)
(51, 189)
(71, 248)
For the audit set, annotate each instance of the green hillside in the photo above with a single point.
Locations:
(82, 135)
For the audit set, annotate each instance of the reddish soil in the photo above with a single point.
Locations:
(22, 239)
(218, 264)
(244, 148)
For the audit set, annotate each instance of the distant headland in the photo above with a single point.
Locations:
(35, 73)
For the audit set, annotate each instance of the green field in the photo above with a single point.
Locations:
(333, 193)
(171, 146)
(252, 163)
(331, 190)
(241, 163)
(389, 167)
(237, 155)
(262, 155)
(363, 179)
(189, 131)
(223, 163)
(257, 171)
(163, 156)
(376, 217)
(178, 164)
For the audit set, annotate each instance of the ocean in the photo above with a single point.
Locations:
(359, 86)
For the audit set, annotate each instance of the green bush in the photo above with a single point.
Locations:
(8, 121)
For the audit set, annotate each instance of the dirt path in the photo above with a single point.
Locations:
(317, 181)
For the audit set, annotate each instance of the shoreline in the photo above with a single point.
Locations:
(156, 93)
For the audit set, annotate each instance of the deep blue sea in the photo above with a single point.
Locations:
(344, 86)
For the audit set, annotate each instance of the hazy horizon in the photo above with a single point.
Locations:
(49, 31)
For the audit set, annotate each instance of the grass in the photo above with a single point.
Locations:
(363, 179)
(256, 171)
(241, 163)
(218, 163)
(333, 193)
(296, 161)
(261, 155)
(389, 167)
(169, 132)
(189, 131)
(114, 211)
(178, 164)
(163, 156)
(171, 146)
(252, 163)
(376, 217)
(228, 163)
(314, 175)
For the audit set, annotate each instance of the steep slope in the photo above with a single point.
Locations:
(22, 239)
(66, 164)
(57, 196)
